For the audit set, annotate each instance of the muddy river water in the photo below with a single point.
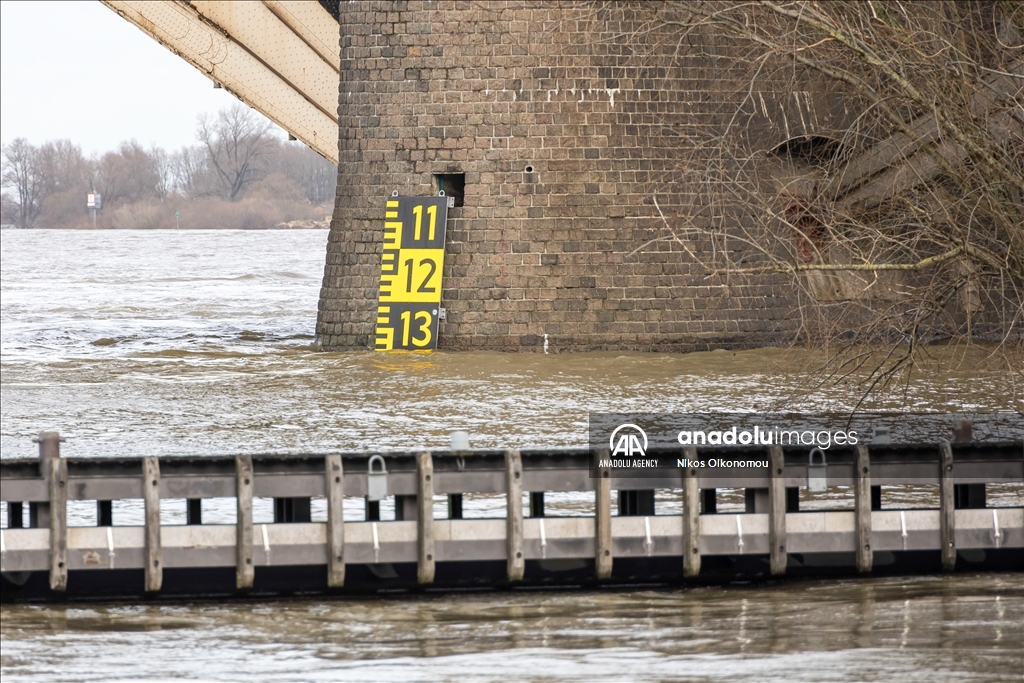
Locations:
(148, 343)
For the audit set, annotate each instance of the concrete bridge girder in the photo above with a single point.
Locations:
(280, 58)
(900, 163)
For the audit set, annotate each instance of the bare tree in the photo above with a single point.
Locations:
(237, 142)
(192, 175)
(899, 221)
(63, 167)
(163, 171)
(317, 176)
(67, 176)
(21, 174)
(130, 174)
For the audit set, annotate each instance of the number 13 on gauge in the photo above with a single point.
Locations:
(411, 327)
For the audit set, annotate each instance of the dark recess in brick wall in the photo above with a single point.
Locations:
(453, 185)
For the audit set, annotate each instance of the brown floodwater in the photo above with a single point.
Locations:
(160, 343)
(150, 342)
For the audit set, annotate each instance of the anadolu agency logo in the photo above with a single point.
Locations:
(628, 444)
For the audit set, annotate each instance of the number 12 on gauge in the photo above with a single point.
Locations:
(411, 276)
(412, 327)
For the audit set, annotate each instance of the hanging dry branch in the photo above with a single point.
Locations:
(890, 196)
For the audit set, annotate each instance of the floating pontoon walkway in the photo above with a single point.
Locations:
(44, 559)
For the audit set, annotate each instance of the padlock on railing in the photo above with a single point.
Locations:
(817, 476)
(376, 482)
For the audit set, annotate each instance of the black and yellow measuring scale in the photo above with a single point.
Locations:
(410, 273)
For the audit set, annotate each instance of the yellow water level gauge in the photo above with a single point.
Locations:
(410, 273)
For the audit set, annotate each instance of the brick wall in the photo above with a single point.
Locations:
(489, 89)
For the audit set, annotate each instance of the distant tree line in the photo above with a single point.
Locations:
(239, 175)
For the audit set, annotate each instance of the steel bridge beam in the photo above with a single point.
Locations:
(280, 58)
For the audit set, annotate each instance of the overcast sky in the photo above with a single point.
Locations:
(77, 70)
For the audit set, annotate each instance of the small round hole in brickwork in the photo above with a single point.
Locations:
(529, 169)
